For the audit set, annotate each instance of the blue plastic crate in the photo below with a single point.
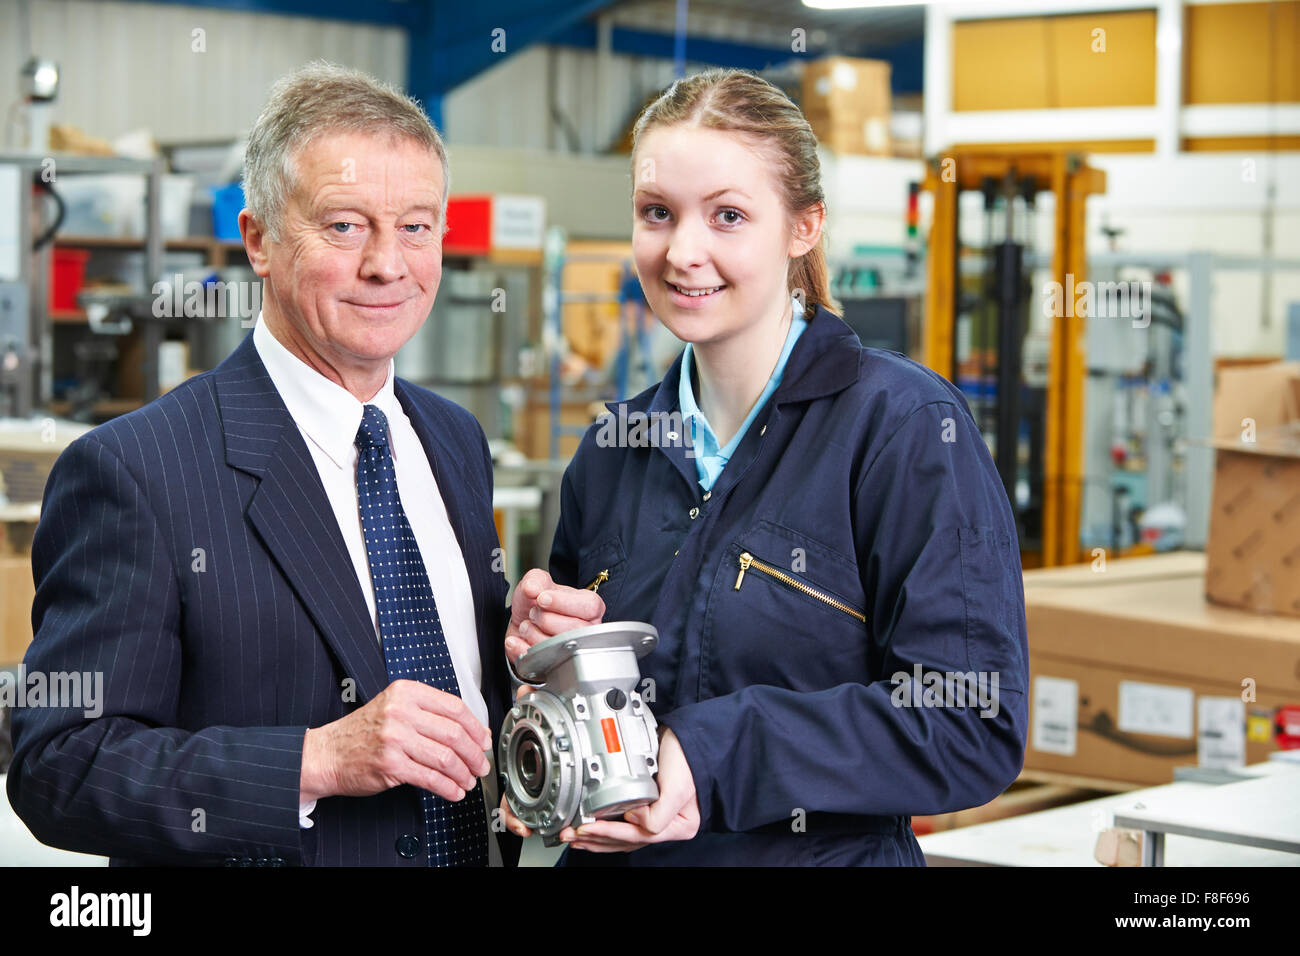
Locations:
(227, 202)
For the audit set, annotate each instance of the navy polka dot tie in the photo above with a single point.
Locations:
(414, 645)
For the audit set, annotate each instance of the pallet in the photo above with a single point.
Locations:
(1020, 798)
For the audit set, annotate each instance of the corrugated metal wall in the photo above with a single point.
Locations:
(126, 66)
(507, 105)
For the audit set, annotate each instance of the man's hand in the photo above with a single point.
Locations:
(410, 733)
(541, 608)
(674, 816)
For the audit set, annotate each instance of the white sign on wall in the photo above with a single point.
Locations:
(518, 222)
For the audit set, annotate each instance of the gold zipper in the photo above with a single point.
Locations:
(748, 561)
(600, 579)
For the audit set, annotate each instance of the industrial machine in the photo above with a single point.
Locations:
(583, 745)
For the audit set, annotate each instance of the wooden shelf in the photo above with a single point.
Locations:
(219, 249)
(186, 243)
(218, 252)
(497, 257)
(68, 316)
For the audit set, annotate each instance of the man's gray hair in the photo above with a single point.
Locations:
(318, 99)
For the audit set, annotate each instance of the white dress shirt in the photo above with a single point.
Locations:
(328, 417)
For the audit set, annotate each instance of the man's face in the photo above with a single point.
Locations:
(356, 268)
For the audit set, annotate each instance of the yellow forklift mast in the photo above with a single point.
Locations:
(1065, 174)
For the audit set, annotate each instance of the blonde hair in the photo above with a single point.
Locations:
(317, 99)
(741, 102)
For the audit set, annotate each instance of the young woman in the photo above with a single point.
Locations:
(830, 560)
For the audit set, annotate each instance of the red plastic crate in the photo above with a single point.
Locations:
(67, 276)
(469, 225)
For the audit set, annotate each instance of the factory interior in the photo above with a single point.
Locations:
(1083, 214)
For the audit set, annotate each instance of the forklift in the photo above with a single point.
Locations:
(978, 303)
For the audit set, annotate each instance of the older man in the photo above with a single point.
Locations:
(284, 568)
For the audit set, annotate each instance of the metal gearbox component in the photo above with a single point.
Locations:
(583, 745)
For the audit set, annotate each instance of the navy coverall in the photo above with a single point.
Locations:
(875, 538)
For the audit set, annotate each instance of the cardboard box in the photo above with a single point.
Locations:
(846, 86)
(1134, 673)
(16, 595)
(28, 449)
(848, 103)
(594, 268)
(855, 136)
(533, 426)
(1253, 550)
(17, 526)
(592, 331)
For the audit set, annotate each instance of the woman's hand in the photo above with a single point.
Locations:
(541, 608)
(674, 816)
(513, 824)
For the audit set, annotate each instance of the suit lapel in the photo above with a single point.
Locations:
(294, 518)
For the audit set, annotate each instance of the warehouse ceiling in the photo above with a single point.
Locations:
(770, 22)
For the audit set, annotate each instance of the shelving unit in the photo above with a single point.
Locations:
(219, 251)
(131, 379)
(32, 336)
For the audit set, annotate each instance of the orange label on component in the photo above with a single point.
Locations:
(611, 735)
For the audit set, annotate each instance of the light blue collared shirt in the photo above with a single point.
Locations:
(709, 458)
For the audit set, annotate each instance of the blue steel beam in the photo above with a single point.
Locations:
(650, 43)
(905, 58)
(459, 40)
(450, 41)
(907, 62)
(378, 12)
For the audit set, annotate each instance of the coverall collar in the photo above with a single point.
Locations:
(827, 359)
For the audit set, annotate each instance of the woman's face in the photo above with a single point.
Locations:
(711, 237)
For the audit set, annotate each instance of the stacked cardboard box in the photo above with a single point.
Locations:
(1253, 555)
(907, 126)
(533, 425)
(16, 595)
(594, 268)
(17, 524)
(1134, 673)
(28, 450)
(1148, 664)
(847, 101)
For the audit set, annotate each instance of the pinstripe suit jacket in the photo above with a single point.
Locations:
(188, 552)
